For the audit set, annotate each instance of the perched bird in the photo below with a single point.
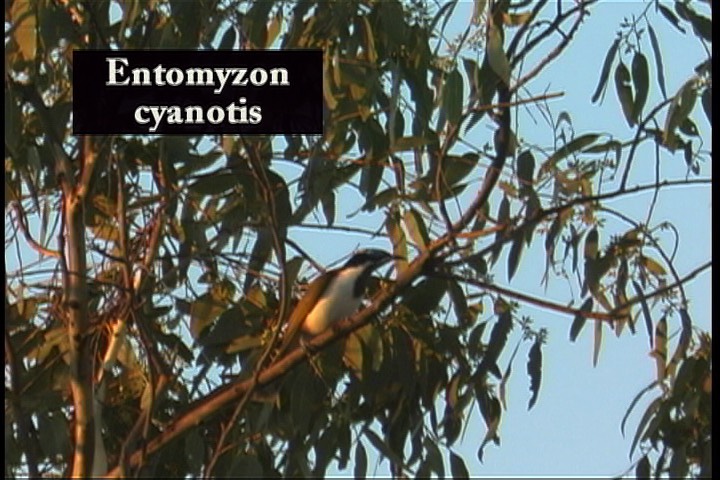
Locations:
(332, 296)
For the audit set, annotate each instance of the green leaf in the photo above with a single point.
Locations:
(203, 313)
(633, 403)
(398, 239)
(228, 39)
(702, 25)
(473, 75)
(653, 266)
(460, 305)
(457, 467)
(678, 467)
(532, 208)
(491, 411)
(328, 205)
(605, 72)
(658, 60)
(496, 55)
(597, 342)
(649, 412)
(258, 256)
(681, 106)
(498, 338)
(243, 466)
(55, 23)
(642, 469)
(525, 168)
(403, 144)
(579, 320)
(215, 184)
(516, 19)
(503, 219)
(689, 128)
(670, 16)
(645, 310)
(456, 168)
(707, 103)
(515, 253)
(370, 180)
(416, 228)
(641, 83)
(443, 12)
(13, 126)
(385, 197)
(433, 457)
(592, 244)
(453, 97)
(425, 297)
(660, 351)
(534, 370)
(624, 92)
(574, 145)
(360, 468)
(382, 447)
(478, 9)
(506, 377)
(194, 450)
(477, 263)
(330, 100)
(255, 23)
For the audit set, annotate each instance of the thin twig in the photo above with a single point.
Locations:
(22, 223)
(640, 129)
(526, 298)
(554, 53)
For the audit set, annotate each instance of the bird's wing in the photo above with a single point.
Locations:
(301, 311)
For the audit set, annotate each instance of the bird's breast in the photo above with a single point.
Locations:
(337, 302)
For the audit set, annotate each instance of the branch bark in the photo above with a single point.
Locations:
(75, 302)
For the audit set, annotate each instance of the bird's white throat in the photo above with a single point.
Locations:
(337, 302)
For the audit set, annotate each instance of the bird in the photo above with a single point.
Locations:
(334, 295)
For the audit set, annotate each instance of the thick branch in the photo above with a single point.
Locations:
(75, 302)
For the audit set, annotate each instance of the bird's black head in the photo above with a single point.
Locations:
(371, 257)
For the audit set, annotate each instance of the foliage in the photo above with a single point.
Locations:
(675, 432)
(147, 277)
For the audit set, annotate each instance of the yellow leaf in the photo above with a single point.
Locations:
(357, 92)
(369, 42)
(509, 189)
(25, 21)
(653, 266)
(597, 342)
(367, 337)
(244, 342)
(203, 313)
(274, 28)
(516, 19)
(327, 89)
(660, 352)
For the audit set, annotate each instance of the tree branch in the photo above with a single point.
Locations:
(527, 298)
(555, 52)
(22, 224)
